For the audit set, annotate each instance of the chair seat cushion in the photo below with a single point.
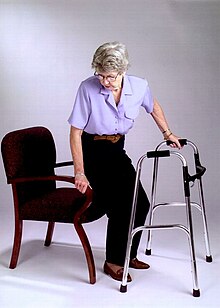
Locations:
(59, 205)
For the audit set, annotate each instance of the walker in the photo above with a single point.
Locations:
(188, 229)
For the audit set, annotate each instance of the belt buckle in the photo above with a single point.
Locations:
(115, 138)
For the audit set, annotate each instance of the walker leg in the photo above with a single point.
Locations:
(152, 204)
(196, 291)
(123, 288)
(205, 224)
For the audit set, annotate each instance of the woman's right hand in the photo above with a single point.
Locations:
(81, 182)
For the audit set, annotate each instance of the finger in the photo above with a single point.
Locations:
(83, 188)
(178, 145)
(79, 186)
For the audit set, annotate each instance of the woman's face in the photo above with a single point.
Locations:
(111, 81)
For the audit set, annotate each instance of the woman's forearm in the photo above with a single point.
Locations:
(159, 117)
(76, 149)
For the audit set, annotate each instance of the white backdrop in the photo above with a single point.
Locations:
(46, 49)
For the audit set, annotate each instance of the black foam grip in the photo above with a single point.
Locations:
(153, 154)
(181, 141)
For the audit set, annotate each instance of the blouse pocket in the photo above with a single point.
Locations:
(131, 113)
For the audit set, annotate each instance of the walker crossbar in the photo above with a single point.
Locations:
(195, 204)
(187, 229)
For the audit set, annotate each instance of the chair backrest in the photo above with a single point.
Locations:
(29, 152)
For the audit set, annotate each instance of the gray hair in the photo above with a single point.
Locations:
(112, 56)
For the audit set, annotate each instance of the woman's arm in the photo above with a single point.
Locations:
(81, 181)
(159, 118)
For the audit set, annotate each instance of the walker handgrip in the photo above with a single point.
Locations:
(200, 171)
(181, 141)
(154, 154)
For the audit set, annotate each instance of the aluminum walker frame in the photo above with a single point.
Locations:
(187, 178)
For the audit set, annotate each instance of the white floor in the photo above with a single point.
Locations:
(57, 276)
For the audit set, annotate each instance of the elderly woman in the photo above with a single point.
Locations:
(105, 108)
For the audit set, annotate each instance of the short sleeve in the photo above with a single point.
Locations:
(81, 109)
(148, 100)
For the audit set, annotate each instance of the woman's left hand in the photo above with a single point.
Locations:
(175, 141)
(81, 182)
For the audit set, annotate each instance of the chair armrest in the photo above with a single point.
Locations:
(64, 164)
(62, 178)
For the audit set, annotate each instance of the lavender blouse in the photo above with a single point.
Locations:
(95, 111)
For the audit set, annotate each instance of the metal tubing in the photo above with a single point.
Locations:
(188, 204)
(152, 201)
(178, 204)
(205, 224)
(200, 206)
(188, 231)
(191, 243)
(142, 228)
(162, 227)
(189, 218)
(131, 225)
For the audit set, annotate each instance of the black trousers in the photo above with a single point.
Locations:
(112, 177)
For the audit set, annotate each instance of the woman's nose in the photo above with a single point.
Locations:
(105, 80)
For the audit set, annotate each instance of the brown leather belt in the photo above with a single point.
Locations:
(112, 138)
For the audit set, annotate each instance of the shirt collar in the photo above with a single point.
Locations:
(127, 89)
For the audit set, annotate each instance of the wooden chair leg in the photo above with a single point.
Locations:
(88, 251)
(17, 243)
(49, 235)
